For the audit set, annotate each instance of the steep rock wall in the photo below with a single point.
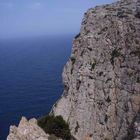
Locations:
(102, 78)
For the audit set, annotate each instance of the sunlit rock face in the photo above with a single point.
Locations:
(101, 99)
(27, 130)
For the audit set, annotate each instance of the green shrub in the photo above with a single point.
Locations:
(55, 125)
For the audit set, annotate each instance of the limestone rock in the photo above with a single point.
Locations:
(27, 130)
(101, 99)
(102, 78)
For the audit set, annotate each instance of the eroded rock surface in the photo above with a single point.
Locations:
(27, 130)
(102, 78)
(101, 100)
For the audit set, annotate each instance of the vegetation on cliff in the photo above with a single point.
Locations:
(55, 125)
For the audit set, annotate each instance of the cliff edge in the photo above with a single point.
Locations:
(27, 130)
(101, 99)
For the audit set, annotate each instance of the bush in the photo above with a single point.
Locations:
(55, 125)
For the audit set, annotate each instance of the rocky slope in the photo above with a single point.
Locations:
(101, 100)
(102, 78)
(27, 130)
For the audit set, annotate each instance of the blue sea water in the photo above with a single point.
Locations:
(30, 77)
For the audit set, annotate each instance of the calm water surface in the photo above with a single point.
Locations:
(30, 77)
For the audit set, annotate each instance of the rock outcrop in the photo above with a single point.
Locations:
(27, 130)
(102, 78)
(101, 99)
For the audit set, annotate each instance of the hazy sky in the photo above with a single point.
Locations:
(19, 18)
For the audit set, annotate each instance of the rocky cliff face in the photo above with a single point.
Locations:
(101, 99)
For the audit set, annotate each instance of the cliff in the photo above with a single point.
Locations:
(102, 78)
(101, 99)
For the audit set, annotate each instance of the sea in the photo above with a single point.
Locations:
(30, 77)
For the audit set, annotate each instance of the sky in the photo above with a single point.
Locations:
(23, 18)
